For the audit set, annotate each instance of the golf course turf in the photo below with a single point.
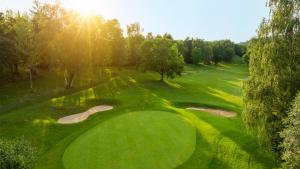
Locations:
(159, 139)
(188, 139)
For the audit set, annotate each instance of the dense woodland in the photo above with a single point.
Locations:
(50, 38)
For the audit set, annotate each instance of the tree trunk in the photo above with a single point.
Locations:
(12, 72)
(162, 76)
(69, 79)
(16, 70)
(30, 78)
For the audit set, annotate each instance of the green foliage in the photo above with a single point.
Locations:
(187, 50)
(51, 37)
(196, 55)
(217, 53)
(207, 53)
(161, 55)
(274, 72)
(291, 137)
(134, 42)
(205, 48)
(223, 50)
(214, 51)
(9, 57)
(72, 46)
(240, 49)
(115, 37)
(16, 154)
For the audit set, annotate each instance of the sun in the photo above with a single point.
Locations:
(84, 7)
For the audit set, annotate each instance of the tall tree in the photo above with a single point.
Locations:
(72, 48)
(161, 55)
(8, 54)
(99, 47)
(196, 55)
(114, 34)
(187, 55)
(47, 20)
(217, 52)
(26, 43)
(134, 41)
(274, 71)
(205, 51)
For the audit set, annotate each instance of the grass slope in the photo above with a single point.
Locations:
(220, 143)
(147, 139)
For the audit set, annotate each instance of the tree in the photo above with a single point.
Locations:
(207, 53)
(217, 52)
(134, 41)
(228, 50)
(9, 54)
(47, 21)
(114, 35)
(181, 47)
(240, 49)
(291, 137)
(187, 52)
(26, 44)
(99, 47)
(72, 48)
(205, 50)
(274, 71)
(161, 55)
(196, 55)
(168, 36)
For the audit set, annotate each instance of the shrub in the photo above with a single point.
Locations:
(291, 137)
(16, 154)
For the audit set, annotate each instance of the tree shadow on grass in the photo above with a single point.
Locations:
(245, 141)
(177, 92)
(201, 156)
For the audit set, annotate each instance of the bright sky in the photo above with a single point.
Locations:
(207, 19)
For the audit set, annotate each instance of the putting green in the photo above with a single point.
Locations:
(138, 140)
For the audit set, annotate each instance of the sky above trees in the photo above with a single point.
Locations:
(209, 19)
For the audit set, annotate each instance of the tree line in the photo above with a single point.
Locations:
(197, 50)
(51, 37)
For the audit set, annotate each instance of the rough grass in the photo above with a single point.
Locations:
(220, 143)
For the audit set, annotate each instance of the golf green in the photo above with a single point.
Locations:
(138, 140)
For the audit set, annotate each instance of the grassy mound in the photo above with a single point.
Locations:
(146, 139)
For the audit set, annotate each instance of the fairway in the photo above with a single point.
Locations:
(149, 126)
(145, 139)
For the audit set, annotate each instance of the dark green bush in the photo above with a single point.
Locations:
(16, 154)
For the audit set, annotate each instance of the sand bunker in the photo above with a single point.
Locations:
(215, 111)
(75, 118)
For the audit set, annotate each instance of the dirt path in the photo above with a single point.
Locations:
(75, 118)
(217, 112)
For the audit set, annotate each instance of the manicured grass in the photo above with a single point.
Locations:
(147, 139)
(221, 143)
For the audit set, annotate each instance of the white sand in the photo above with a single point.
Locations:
(215, 111)
(75, 118)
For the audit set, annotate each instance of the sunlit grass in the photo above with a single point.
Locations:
(221, 143)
